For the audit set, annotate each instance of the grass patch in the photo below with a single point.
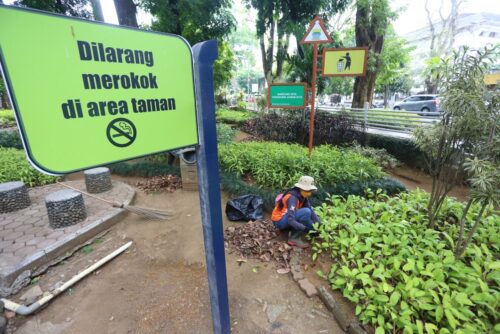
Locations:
(233, 117)
(7, 118)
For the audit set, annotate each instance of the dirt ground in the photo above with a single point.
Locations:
(160, 284)
(413, 178)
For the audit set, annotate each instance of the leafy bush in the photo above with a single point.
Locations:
(278, 166)
(379, 155)
(233, 117)
(236, 186)
(15, 167)
(404, 150)
(293, 127)
(10, 139)
(7, 118)
(403, 276)
(225, 134)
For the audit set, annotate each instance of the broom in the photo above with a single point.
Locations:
(148, 213)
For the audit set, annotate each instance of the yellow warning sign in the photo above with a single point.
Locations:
(345, 62)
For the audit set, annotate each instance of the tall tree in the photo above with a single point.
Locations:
(372, 19)
(197, 21)
(442, 39)
(278, 20)
(126, 10)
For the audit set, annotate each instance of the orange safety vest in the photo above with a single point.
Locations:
(279, 213)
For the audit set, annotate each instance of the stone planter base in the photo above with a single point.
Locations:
(65, 208)
(13, 196)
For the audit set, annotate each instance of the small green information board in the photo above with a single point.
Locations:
(287, 95)
(87, 94)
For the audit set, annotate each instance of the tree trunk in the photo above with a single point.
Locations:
(126, 11)
(96, 10)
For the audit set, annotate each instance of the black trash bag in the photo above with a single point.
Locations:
(248, 207)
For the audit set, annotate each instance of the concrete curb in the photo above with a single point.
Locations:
(350, 326)
(19, 276)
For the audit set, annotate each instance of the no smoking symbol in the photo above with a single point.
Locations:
(121, 132)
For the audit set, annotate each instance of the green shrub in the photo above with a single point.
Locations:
(293, 127)
(10, 139)
(15, 167)
(233, 117)
(143, 169)
(7, 118)
(404, 150)
(236, 186)
(225, 134)
(278, 166)
(403, 276)
(380, 155)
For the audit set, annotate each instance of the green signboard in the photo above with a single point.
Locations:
(287, 95)
(87, 94)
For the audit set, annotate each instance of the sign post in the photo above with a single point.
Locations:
(205, 54)
(345, 62)
(316, 34)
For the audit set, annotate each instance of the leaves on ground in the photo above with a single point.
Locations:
(169, 183)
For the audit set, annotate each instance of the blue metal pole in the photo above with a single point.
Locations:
(205, 54)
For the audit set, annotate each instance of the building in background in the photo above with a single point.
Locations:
(473, 30)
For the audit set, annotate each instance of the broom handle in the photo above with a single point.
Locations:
(115, 204)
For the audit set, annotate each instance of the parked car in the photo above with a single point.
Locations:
(423, 103)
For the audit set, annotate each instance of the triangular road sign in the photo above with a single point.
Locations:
(316, 33)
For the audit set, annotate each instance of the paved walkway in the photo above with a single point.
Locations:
(28, 244)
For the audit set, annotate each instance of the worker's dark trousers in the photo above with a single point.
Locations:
(303, 216)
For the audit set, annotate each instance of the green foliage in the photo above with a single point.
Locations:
(233, 116)
(379, 155)
(293, 127)
(7, 118)
(225, 134)
(404, 150)
(197, 21)
(401, 274)
(395, 58)
(15, 167)
(144, 169)
(469, 126)
(278, 165)
(236, 186)
(10, 139)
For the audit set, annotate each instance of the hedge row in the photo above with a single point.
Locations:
(10, 139)
(143, 169)
(237, 187)
(404, 150)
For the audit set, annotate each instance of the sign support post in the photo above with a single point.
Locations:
(313, 97)
(204, 54)
(315, 35)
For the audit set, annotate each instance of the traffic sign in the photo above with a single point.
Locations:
(345, 62)
(87, 94)
(287, 95)
(316, 33)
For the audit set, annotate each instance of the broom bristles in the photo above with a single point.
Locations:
(148, 213)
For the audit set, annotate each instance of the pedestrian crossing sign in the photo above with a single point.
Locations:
(345, 62)
(316, 33)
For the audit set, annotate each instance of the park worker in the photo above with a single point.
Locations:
(293, 212)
